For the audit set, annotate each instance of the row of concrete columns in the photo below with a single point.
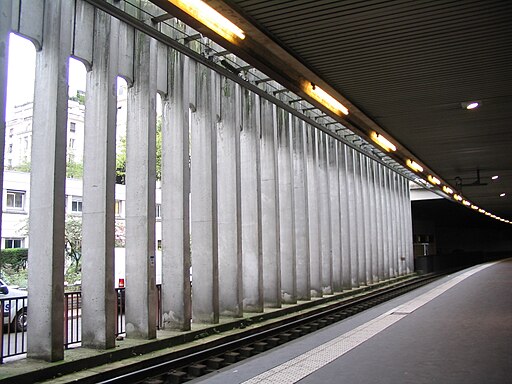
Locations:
(258, 207)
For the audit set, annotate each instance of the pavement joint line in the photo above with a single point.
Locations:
(296, 369)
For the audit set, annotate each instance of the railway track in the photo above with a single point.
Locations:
(185, 365)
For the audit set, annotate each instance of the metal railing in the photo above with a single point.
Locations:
(13, 317)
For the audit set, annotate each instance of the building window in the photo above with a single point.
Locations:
(118, 209)
(10, 148)
(76, 203)
(72, 127)
(71, 143)
(13, 243)
(15, 200)
(158, 211)
(159, 245)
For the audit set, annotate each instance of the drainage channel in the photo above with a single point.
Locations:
(234, 348)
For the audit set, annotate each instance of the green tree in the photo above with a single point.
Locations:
(23, 167)
(74, 169)
(121, 156)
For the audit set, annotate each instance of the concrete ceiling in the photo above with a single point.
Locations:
(408, 65)
(403, 67)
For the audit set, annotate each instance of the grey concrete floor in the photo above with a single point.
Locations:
(462, 336)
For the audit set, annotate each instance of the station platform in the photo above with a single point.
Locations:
(457, 329)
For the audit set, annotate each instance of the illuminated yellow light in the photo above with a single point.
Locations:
(487, 213)
(324, 98)
(466, 203)
(210, 18)
(472, 105)
(383, 142)
(457, 197)
(447, 190)
(434, 180)
(481, 210)
(474, 207)
(414, 165)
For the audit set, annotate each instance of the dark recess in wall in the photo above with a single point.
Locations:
(453, 236)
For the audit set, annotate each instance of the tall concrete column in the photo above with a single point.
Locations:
(270, 206)
(98, 216)
(252, 261)
(48, 177)
(344, 217)
(396, 223)
(141, 294)
(334, 192)
(352, 211)
(325, 214)
(286, 208)
(408, 232)
(175, 209)
(300, 194)
(380, 220)
(374, 235)
(360, 219)
(388, 239)
(313, 213)
(365, 178)
(228, 200)
(5, 27)
(205, 279)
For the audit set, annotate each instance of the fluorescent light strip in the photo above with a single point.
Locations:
(210, 18)
(383, 142)
(434, 180)
(457, 197)
(447, 190)
(414, 165)
(324, 98)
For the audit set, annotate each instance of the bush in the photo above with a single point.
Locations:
(14, 258)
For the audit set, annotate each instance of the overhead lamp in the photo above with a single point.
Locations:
(210, 18)
(457, 197)
(473, 206)
(414, 165)
(481, 210)
(502, 194)
(434, 180)
(447, 190)
(493, 216)
(324, 98)
(488, 213)
(470, 104)
(383, 142)
(495, 177)
(466, 203)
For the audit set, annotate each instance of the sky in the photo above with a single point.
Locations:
(21, 73)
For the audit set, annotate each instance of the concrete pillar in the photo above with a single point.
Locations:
(141, 294)
(5, 27)
(360, 219)
(300, 194)
(408, 232)
(374, 236)
(175, 209)
(270, 206)
(352, 211)
(313, 213)
(325, 214)
(228, 200)
(388, 239)
(252, 261)
(365, 178)
(98, 216)
(286, 208)
(334, 192)
(205, 283)
(380, 220)
(344, 217)
(49, 130)
(396, 223)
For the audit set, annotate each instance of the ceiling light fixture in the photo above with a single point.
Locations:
(447, 190)
(481, 210)
(434, 180)
(466, 203)
(473, 206)
(383, 142)
(414, 165)
(470, 104)
(457, 197)
(494, 177)
(324, 98)
(502, 194)
(210, 18)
